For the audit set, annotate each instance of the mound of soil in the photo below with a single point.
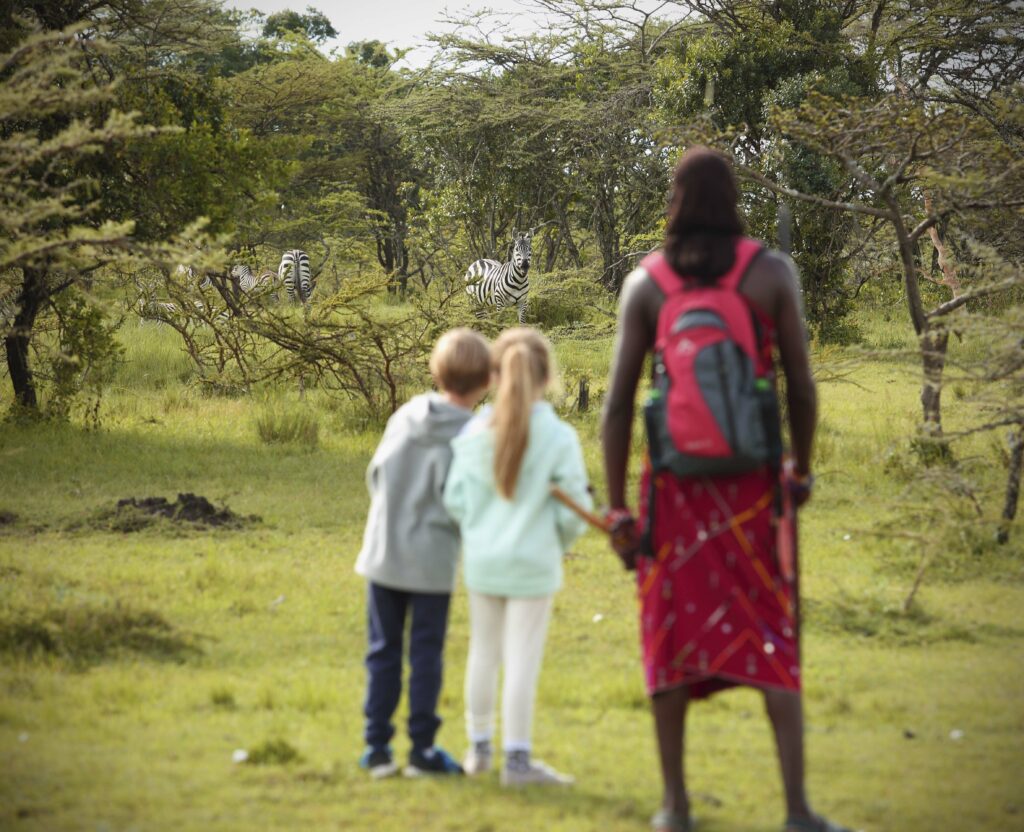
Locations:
(135, 513)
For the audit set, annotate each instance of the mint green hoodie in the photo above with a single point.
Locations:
(515, 547)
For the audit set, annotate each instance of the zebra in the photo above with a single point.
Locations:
(193, 275)
(248, 280)
(166, 312)
(294, 273)
(155, 311)
(491, 283)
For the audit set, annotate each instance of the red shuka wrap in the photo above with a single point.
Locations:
(715, 611)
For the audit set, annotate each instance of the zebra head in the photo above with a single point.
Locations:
(521, 251)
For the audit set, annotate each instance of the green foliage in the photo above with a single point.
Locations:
(313, 25)
(774, 57)
(51, 128)
(87, 355)
(559, 298)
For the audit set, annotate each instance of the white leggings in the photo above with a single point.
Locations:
(509, 631)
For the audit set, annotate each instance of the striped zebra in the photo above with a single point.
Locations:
(155, 311)
(249, 281)
(491, 283)
(166, 312)
(294, 273)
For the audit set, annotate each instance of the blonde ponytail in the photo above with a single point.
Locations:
(521, 359)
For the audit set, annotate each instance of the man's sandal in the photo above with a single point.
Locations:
(815, 825)
(666, 821)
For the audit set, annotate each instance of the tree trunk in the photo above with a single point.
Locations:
(583, 400)
(934, 341)
(1012, 483)
(16, 343)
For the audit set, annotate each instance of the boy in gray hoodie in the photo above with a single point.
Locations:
(409, 554)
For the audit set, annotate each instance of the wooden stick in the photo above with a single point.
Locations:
(589, 516)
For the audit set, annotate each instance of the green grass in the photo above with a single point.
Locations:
(134, 665)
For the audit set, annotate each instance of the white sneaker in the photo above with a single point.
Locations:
(478, 759)
(535, 773)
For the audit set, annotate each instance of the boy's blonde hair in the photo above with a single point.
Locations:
(522, 360)
(461, 361)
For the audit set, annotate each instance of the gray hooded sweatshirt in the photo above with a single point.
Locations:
(410, 542)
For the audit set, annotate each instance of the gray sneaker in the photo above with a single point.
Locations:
(478, 758)
(533, 773)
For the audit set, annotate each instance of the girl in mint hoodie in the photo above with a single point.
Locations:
(513, 537)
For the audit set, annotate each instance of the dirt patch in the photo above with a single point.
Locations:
(133, 514)
(7, 518)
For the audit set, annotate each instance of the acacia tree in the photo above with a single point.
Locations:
(552, 131)
(52, 235)
(733, 62)
(896, 149)
(143, 177)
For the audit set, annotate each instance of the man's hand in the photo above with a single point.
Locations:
(624, 536)
(800, 487)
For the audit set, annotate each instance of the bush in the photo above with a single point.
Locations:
(563, 298)
(280, 425)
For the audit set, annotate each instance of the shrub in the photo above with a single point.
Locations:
(278, 425)
(273, 752)
(564, 297)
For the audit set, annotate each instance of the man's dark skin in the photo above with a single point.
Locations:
(772, 286)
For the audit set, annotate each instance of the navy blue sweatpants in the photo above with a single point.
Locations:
(386, 612)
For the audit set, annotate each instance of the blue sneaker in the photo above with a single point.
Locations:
(379, 762)
(431, 760)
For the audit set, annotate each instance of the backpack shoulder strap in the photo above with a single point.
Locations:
(670, 282)
(746, 250)
(662, 273)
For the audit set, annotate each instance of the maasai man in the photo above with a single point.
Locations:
(715, 608)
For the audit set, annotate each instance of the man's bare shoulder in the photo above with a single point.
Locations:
(639, 291)
(775, 266)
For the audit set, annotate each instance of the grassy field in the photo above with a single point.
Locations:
(134, 664)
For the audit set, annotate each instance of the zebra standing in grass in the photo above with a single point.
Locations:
(491, 283)
(294, 274)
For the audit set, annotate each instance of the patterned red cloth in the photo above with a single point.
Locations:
(715, 611)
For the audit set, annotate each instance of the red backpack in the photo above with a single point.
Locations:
(713, 408)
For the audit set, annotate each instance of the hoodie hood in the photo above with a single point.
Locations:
(431, 417)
